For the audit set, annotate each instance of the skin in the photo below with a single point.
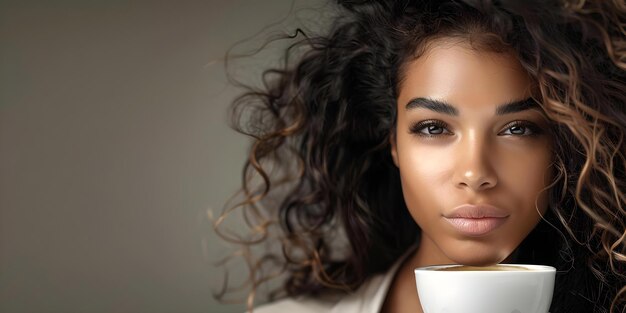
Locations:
(477, 157)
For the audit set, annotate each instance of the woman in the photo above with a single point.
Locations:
(435, 132)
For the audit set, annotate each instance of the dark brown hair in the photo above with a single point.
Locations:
(322, 123)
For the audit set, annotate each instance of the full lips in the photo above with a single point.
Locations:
(476, 226)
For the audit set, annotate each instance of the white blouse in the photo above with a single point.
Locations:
(368, 298)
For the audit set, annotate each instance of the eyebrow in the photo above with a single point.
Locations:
(433, 105)
(443, 107)
(517, 106)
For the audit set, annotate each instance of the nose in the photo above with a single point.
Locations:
(475, 168)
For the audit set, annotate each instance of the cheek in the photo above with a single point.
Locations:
(526, 175)
(424, 172)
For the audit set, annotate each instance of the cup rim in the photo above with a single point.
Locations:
(534, 267)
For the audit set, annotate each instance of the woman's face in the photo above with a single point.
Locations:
(473, 152)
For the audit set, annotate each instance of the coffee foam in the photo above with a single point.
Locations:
(484, 268)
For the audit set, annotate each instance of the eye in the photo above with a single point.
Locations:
(430, 128)
(521, 128)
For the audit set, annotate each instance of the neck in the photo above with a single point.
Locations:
(428, 253)
(402, 296)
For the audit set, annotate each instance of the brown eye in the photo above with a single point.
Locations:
(430, 128)
(521, 128)
(434, 130)
(518, 130)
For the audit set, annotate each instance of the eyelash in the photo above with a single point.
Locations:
(419, 126)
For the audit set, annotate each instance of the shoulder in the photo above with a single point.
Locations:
(300, 305)
(368, 298)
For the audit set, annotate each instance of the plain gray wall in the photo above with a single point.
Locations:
(114, 144)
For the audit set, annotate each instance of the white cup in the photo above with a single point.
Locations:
(509, 288)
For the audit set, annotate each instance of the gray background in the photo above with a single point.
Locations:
(114, 146)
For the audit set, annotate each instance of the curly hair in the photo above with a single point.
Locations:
(321, 128)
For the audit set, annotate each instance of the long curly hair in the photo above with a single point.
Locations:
(319, 168)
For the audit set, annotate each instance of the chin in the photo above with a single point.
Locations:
(475, 256)
(477, 261)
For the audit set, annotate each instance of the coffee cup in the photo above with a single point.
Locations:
(502, 288)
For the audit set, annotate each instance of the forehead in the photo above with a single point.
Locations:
(468, 78)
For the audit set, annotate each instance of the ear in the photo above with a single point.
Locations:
(394, 148)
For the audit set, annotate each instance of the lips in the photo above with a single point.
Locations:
(476, 220)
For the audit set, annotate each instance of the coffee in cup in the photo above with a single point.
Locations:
(484, 268)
